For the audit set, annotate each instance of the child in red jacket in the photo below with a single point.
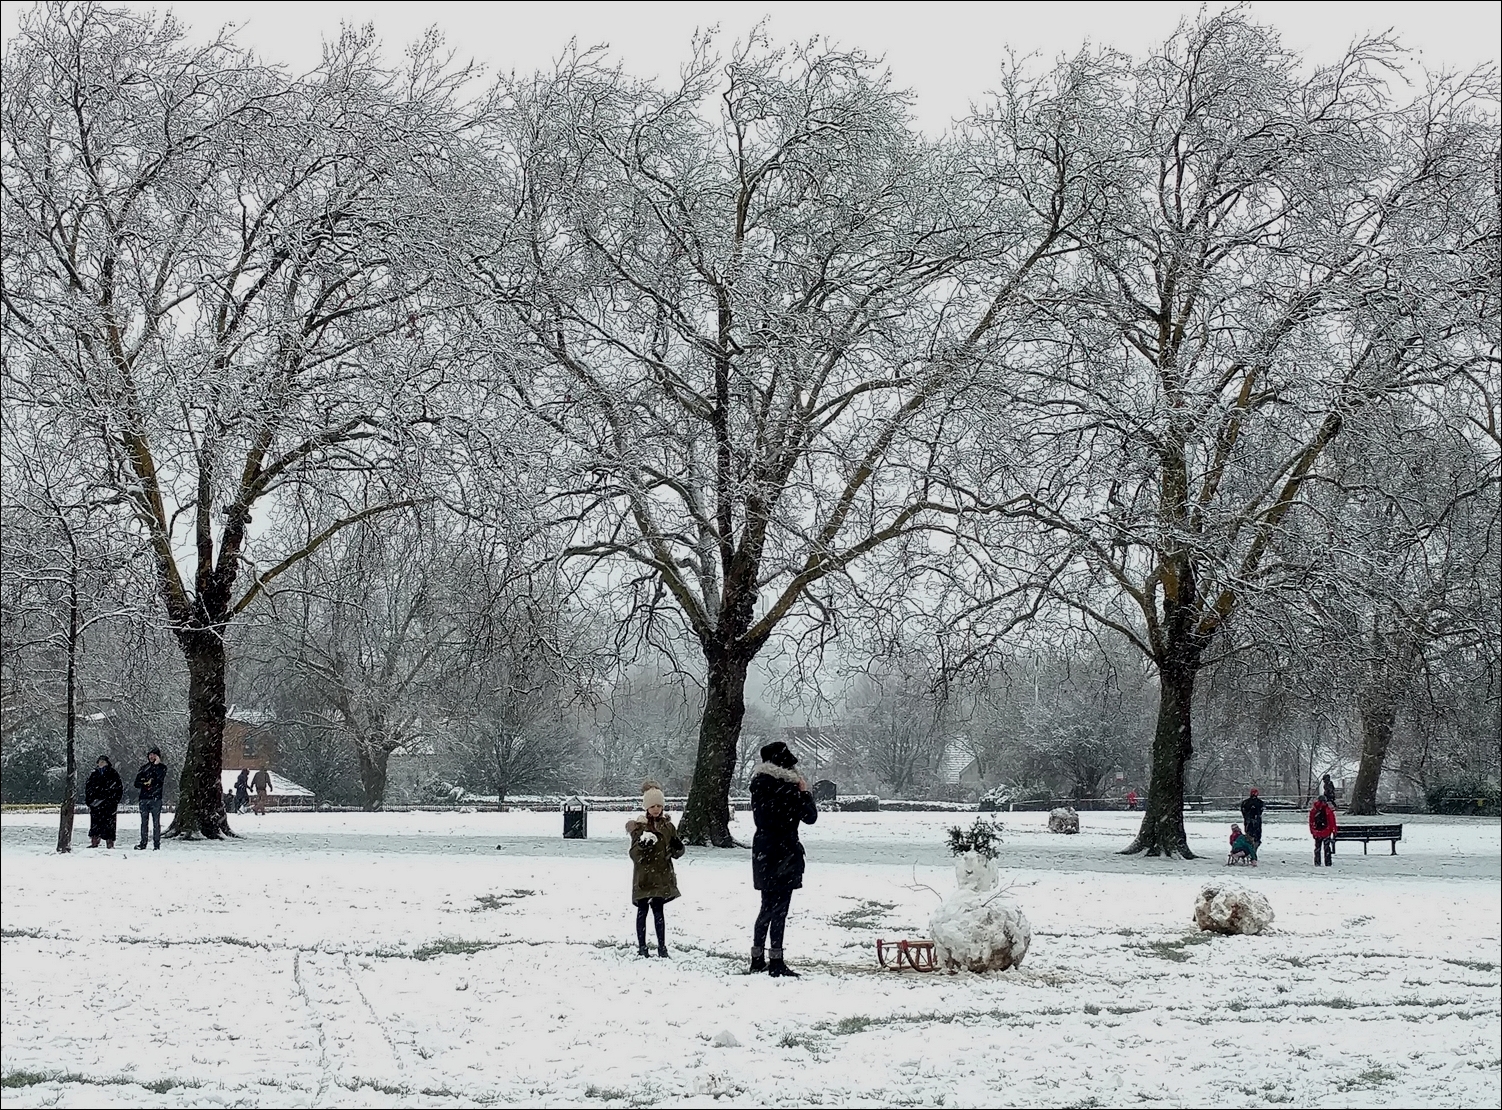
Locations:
(1322, 828)
(1243, 847)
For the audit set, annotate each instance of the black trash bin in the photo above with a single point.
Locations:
(825, 791)
(575, 819)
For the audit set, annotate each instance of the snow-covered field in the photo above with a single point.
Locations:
(478, 959)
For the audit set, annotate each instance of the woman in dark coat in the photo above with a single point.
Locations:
(780, 802)
(102, 795)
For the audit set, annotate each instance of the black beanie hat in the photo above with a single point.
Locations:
(779, 755)
(154, 750)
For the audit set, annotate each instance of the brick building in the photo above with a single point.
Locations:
(249, 741)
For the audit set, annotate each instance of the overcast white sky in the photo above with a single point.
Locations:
(945, 52)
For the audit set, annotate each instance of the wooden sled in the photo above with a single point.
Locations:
(916, 954)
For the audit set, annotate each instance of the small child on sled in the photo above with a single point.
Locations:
(1243, 848)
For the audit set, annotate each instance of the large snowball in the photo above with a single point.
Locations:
(1063, 821)
(977, 927)
(1230, 908)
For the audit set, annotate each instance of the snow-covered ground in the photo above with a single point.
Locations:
(427, 959)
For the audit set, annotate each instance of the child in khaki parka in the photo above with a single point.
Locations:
(655, 844)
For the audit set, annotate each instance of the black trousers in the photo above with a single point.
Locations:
(658, 922)
(1326, 845)
(773, 918)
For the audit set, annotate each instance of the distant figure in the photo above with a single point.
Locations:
(1251, 812)
(151, 780)
(1243, 847)
(1322, 828)
(780, 802)
(102, 795)
(654, 846)
(1132, 800)
(242, 790)
(262, 783)
(1327, 790)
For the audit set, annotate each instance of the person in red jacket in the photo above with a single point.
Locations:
(1322, 828)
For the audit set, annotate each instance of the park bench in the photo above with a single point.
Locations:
(1366, 833)
(1195, 802)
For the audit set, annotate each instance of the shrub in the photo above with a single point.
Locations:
(983, 838)
(856, 803)
(1462, 793)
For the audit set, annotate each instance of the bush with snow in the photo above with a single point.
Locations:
(1230, 908)
(978, 927)
(853, 803)
(1063, 821)
(982, 838)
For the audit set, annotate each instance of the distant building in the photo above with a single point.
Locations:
(249, 741)
(958, 775)
(824, 752)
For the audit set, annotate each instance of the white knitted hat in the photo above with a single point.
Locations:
(651, 795)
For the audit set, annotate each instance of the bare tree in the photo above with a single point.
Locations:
(62, 571)
(1404, 542)
(898, 719)
(511, 723)
(374, 621)
(1279, 251)
(215, 268)
(744, 332)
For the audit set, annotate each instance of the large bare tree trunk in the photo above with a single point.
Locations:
(374, 762)
(200, 799)
(1162, 831)
(706, 816)
(1379, 712)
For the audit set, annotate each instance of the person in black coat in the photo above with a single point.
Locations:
(151, 781)
(1251, 813)
(102, 795)
(242, 790)
(780, 802)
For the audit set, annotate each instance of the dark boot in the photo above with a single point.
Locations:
(109, 843)
(642, 950)
(779, 970)
(662, 951)
(93, 842)
(141, 847)
(758, 962)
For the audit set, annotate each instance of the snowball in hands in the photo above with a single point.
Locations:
(648, 839)
(978, 927)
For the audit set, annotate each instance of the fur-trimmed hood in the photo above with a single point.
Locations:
(784, 773)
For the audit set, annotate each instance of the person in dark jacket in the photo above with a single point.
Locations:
(655, 844)
(1322, 828)
(242, 789)
(151, 780)
(262, 783)
(780, 802)
(1251, 813)
(102, 795)
(1327, 790)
